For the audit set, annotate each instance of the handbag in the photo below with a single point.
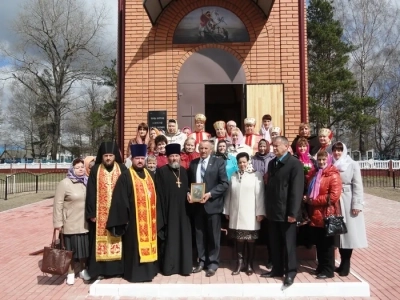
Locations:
(56, 260)
(334, 224)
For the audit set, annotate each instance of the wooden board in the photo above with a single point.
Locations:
(264, 99)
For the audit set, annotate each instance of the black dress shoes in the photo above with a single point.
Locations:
(197, 269)
(323, 276)
(343, 273)
(271, 274)
(210, 273)
(288, 281)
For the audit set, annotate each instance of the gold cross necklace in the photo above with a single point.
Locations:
(178, 182)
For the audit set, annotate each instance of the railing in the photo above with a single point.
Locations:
(380, 178)
(28, 182)
(30, 166)
(379, 164)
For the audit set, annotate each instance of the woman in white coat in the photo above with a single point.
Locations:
(244, 207)
(352, 204)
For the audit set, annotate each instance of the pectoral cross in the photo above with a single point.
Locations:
(178, 183)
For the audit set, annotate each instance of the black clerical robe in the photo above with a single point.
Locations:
(122, 222)
(97, 268)
(174, 230)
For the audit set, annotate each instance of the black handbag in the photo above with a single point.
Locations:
(334, 224)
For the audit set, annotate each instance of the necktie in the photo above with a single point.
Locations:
(202, 170)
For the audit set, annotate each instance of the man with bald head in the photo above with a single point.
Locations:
(207, 220)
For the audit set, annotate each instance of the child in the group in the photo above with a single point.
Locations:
(151, 163)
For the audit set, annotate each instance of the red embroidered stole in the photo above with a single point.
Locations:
(108, 247)
(249, 140)
(145, 206)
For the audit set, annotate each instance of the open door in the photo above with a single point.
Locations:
(264, 99)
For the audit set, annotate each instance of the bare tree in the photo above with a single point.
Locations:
(60, 44)
(26, 115)
(373, 27)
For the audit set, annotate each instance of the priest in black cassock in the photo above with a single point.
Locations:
(174, 230)
(133, 216)
(104, 250)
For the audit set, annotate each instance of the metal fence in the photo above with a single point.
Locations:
(29, 182)
(381, 178)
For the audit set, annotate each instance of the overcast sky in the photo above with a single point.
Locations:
(9, 10)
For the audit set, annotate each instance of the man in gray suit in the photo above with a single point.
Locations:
(207, 219)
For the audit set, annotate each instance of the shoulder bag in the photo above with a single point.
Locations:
(334, 224)
(56, 260)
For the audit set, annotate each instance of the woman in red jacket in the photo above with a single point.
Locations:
(188, 153)
(324, 194)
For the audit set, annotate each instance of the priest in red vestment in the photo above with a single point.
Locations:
(251, 138)
(105, 258)
(133, 218)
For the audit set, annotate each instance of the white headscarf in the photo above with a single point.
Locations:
(344, 161)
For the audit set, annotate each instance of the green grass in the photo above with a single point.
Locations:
(44, 177)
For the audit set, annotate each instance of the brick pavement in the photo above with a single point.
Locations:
(27, 229)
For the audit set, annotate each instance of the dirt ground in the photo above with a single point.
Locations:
(388, 193)
(17, 200)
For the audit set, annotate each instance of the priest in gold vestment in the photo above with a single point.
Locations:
(133, 217)
(105, 251)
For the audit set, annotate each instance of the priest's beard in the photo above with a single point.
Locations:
(174, 165)
(138, 169)
(108, 165)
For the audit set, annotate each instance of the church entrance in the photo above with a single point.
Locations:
(211, 82)
(224, 102)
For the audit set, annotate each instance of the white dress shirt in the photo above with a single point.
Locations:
(198, 171)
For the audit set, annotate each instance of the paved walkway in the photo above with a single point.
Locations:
(27, 229)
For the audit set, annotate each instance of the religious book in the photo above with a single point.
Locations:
(197, 191)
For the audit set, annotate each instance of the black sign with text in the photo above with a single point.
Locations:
(157, 119)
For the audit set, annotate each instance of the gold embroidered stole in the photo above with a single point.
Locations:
(108, 247)
(145, 206)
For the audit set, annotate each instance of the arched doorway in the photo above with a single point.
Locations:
(212, 82)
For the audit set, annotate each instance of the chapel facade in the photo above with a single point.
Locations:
(226, 59)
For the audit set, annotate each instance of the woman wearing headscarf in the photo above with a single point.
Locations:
(230, 161)
(187, 130)
(352, 205)
(142, 137)
(310, 167)
(244, 208)
(324, 193)
(263, 156)
(188, 152)
(89, 162)
(69, 217)
(238, 144)
(173, 134)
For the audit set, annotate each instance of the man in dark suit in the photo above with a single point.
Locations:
(283, 193)
(207, 220)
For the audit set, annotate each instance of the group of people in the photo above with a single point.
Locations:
(138, 218)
